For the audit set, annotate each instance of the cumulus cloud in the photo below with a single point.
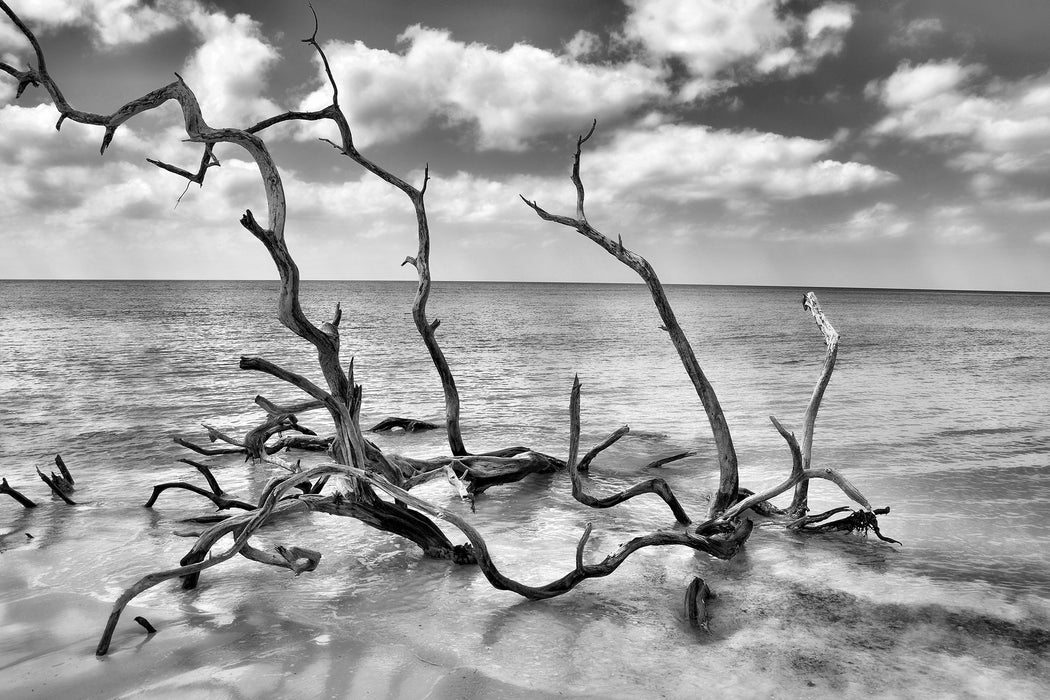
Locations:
(227, 71)
(685, 162)
(992, 126)
(111, 22)
(720, 42)
(509, 97)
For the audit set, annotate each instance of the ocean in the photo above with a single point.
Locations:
(937, 409)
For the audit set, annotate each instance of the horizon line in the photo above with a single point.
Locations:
(959, 290)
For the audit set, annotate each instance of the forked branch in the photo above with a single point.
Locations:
(657, 486)
(727, 460)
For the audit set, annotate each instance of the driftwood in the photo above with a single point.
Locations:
(14, 493)
(58, 485)
(656, 486)
(800, 501)
(409, 425)
(697, 596)
(727, 460)
(359, 470)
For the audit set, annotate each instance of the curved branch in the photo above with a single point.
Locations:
(800, 501)
(421, 261)
(220, 501)
(657, 486)
(727, 459)
(585, 462)
(798, 475)
(722, 548)
(257, 519)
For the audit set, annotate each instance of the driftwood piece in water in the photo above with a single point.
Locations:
(798, 474)
(217, 496)
(16, 494)
(56, 487)
(295, 559)
(800, 500)
(721, 547)
(209, 451)
(220, 501)
(861, 521)
(728, 482)
(585, 461)
(64, 471)
(656, 486)
(657, 463)
(409, 425)
(697, 596)
(274, 409)
(480, 472)
(150, 629)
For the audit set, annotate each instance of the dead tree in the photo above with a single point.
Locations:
(359, 467)
(728, 502)
(728, 482)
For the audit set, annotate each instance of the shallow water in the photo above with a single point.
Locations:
(936, 408)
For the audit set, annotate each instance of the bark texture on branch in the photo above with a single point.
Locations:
(14, 493)
(800, 501)
(727, 459)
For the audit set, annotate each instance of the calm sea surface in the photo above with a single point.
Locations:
(938, 408)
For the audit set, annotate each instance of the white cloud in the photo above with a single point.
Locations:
(918, 32)
(227, 71)
(720, 41)
(881, 220)
(582, 44)
(998, 126)
(510, 96)
(111, 22)
(686, 163)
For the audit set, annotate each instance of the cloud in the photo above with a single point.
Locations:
(720, 43)
(228, 70)
(992, 126)
(881, 220)
(111, 22)
(687, 163)
(918, 32)
(508, 97)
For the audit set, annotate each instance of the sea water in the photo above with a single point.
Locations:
(937, 408)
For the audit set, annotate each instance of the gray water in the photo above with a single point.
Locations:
(937, 408)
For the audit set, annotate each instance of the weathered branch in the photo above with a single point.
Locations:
(727, 459)
(409, 425)
(274, 409)
(722, 548)
(800, 501)
(657, 463)
(57, 487)
(798, 475)
(16, 494)
(657, 486)
(220, 501)
(697, 596)
(268, 503)
(421, 261)
(585, 462)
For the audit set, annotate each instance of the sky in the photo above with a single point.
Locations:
(880, 143)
